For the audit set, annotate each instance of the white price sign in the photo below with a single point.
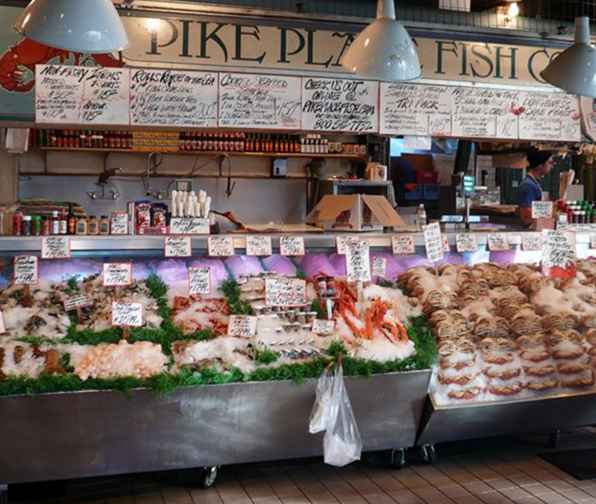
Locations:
(532, 242)
(242, 326)
(323, 327)
(559, 249)
(403, 245)
(379, 267)
(498, 242)
(433, 240)
(55, 247)
(119, 223)
(258, 246)
(292, 246)
(189, 226)
(542, 209)
(593, 242)
(117, 274)
(2, 324)
(74, 302)
(178, 246)
(358, 262)
(26, 270)
(343, 242)
(286, 292)
(466, 242)
(199, 281)
(221, 246)
(128, 315)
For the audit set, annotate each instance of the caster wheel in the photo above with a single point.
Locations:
(397, 458)
(429, 454)
(208, 476)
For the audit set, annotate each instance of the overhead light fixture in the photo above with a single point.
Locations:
(85, 26)
(384, 50)
(574, 70)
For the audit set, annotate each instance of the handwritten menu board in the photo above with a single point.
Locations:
(81, 95)
(292, 246)
(128, 315)
(410, 109)
(55, 247)
(259, 101)
(177, 246)
(221, 246)
(257, 245)
(340, 105)
(484, 112)
(117, 274)
(286, 292)
(549, 116)
(199, 280)
(242, 326)
(433, 241)
(358, 262)
(559, 253)
(403, 245)
(26, 270)
(173, 98)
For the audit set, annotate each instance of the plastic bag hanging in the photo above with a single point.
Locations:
(319, 417)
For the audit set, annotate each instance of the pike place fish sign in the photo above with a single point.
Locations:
(301, 45)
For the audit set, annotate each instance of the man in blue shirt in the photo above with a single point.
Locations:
(540, 163)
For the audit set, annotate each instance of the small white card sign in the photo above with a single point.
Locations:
(379, 267)
(26, 270)
(542, 209)
(559, 249)
(403, 245)
(323, 327)
(221, 246)
(434, 242)
(73, 302)
(128, 315)
(343, 241)
(199, 281)
(117, 274)
(498, 242)
(178, 246)
(257, 245)
(532, 242)
(358, 262)
(286, 292)
(242, 326)
(593, 242)
(466, 242)
(189, 226)
(119, 223)
(292, 246)
(55, 247)
(2, 324)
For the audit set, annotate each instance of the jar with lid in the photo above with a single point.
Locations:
(104, 225)
(82, 226)
(93, 225)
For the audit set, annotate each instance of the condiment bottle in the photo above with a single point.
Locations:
(36, 225)
(72, 221)
(27, 225)
(82, 226)
(17, 224)
(104, 225)
(63, 224)
(93, 225)
(46, 226)
(55, 223)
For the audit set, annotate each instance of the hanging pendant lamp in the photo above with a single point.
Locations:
(384, 50)
(574, 70)
(85, 26)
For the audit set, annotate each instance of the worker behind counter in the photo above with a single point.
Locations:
(540, 163)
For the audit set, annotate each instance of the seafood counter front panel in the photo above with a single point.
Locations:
(493, 327)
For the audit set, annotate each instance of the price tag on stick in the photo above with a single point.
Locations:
(285, 292)
(242, 326)
(433, 240)
(199, 281)
(26, 270)
(559, 254)
(466, 242)
(117, 274)
(358, 262)
(128, 315)
(379, 267)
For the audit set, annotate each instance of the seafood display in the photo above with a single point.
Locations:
(507, 332)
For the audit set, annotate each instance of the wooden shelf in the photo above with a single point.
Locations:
(210, 153)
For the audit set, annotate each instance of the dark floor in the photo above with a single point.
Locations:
(485, 472)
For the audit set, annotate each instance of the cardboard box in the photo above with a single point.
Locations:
(355, 212)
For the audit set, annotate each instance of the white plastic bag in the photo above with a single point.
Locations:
(319, 417)
(333, 413)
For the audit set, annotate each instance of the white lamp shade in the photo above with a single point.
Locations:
(86, 26)
(574, 70)
(384, 50)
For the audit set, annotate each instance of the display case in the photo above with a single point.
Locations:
(490, 343)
